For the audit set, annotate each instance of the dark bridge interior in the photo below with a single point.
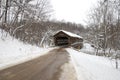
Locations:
(62, 41)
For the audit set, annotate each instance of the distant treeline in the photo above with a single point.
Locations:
(34, 32)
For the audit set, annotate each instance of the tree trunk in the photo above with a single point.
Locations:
(116, 61)
(6, 11)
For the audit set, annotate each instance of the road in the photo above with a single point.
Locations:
(46, 67)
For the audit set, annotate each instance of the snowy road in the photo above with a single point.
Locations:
(52, 66)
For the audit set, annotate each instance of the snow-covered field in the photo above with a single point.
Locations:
(13, 51)
(90, 67)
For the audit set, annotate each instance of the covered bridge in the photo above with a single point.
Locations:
(65, 38)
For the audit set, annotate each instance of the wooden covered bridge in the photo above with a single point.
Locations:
(65, 38)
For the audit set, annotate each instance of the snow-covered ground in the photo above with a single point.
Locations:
(13, 51)
(87, 49)
(90, 67)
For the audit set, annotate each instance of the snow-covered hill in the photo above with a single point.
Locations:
(90, 67)
(13, 51)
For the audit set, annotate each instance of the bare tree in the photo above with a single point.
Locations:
(106, 26)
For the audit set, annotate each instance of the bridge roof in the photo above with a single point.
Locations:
(68, 33)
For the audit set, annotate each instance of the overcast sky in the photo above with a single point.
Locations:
(72, 10)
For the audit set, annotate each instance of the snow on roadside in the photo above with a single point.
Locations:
(13, 52)
(89, 67)
(87, 48)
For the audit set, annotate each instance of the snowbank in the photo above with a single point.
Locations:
(14, 52)
(87, 48)
(90, 67)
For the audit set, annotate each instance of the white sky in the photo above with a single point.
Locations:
(72, 10)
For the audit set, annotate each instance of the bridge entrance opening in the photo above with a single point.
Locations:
(62, 41)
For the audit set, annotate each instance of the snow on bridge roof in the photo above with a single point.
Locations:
(68, 33)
